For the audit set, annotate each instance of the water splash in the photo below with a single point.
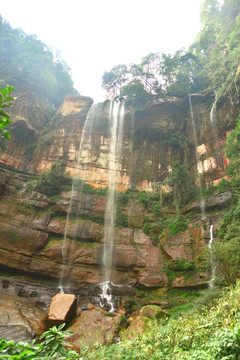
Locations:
(116, 116)
(212, 262)
(202, 200)
(75, 201)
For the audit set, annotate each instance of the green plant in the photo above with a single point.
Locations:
(5, 101)
(53, 346)
(111, 314)
(146, 228)
(177, 227)
(52, 181)
(184, 265)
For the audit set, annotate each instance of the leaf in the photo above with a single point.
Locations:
(4, 92)
(61, 326)
(10, 89)
(2, 113)
(7, 135)
(9, 98)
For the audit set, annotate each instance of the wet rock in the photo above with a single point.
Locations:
(94, 326)
(216, 201)
(20, 319)
(62, 309)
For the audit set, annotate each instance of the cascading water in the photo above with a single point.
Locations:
(202, 201)
(212, 262)
(116, 117)
(77, 183)
(213, 110)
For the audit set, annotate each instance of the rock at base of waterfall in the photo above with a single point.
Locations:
(153, 311)
(62, 309)
(94, 326)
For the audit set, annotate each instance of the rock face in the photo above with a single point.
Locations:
(94, 326)
(62, 309)
(20, 319)
(213, 202)
(151, 142)
(33, 228)
(33, 225)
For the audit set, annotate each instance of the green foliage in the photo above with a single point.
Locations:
(146, 229)
(211, 62)
(177, 226)
(52, 181)
(53, 346)
(80, 185)
(28, 63)
(208, 332)
(210, 190)
(183, 185)
(184, 265)
(5, 102)
(110, 314)
(224, 185)
(227, 249)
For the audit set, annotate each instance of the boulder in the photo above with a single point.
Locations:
(94, 325)
(137, 326)
(153, 311)
(62, 309)
(21, 319)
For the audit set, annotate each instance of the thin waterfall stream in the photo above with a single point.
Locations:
(75, 201)
(202, 200)
(212, 262)
(116, 117)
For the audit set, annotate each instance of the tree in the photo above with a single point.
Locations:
(134, 91)
(114, 80)
(28, 63)
(5, 102)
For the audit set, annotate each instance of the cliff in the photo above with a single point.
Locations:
(154, 138)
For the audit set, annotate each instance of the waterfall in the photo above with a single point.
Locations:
(213, 110)
(212, 262)
(77, 184)
(202, 201)
(116, 116)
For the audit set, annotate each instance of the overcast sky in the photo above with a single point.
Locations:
(95, 35)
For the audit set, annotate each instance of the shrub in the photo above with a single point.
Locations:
(52, 181)
(177, 227)
(53, 346)
(146, 229)
(184, 265)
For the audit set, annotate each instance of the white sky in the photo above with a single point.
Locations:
(95, 35)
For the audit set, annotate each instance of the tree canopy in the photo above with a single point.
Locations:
(210, 63)
(26, 62)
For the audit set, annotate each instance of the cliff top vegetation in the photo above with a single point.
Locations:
(210, 63)
(27, 63)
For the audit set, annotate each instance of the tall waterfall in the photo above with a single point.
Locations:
(212, 262)
(202, 201)
(77, 184)
(116, 117)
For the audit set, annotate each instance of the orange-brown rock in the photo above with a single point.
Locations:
(137, 326)
(94, 326)
(62, 309)
(20, 319)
